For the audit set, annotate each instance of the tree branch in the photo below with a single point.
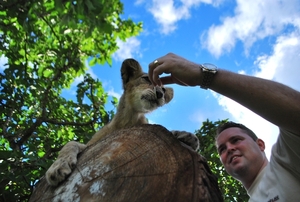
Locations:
(66, 123)
(29, 131)
(50, 26)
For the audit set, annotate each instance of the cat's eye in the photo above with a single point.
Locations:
(146, 78)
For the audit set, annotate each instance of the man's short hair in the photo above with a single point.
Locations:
(231, 124)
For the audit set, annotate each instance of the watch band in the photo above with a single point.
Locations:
(208, 71)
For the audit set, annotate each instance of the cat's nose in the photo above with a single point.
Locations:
(159, 92)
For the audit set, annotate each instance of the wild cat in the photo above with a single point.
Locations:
(139, 97)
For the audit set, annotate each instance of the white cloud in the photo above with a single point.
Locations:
(112, 92)
(127, 49)
(252, 20)
(139, 2)
(168, 12)
(282, 66)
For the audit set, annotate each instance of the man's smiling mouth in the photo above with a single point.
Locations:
(233, 158)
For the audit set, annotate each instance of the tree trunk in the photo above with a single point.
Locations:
(144, 163)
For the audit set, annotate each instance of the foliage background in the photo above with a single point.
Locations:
(47, 44)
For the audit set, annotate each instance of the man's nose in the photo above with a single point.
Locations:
(230, 148)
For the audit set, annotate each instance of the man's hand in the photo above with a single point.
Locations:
(182, 71)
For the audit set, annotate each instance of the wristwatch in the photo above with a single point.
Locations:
(208, 72)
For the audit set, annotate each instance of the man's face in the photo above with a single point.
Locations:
(239, 153)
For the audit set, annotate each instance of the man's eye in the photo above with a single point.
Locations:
(235, 140)
(221, 150)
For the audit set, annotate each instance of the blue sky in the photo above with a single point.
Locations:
(259, 38)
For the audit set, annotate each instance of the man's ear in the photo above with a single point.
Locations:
(130, 69)
(261, 144)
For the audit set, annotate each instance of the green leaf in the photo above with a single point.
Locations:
(47, 73)
(89, 4)
(93, 61)
(41, 153)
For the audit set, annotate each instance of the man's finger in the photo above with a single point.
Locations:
(152, 74)
(171, 80)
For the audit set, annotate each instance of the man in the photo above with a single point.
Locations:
(241, 152)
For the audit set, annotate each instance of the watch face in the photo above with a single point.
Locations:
(209, 66)
(208, 72)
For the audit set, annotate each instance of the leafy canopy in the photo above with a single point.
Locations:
(45, 45)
